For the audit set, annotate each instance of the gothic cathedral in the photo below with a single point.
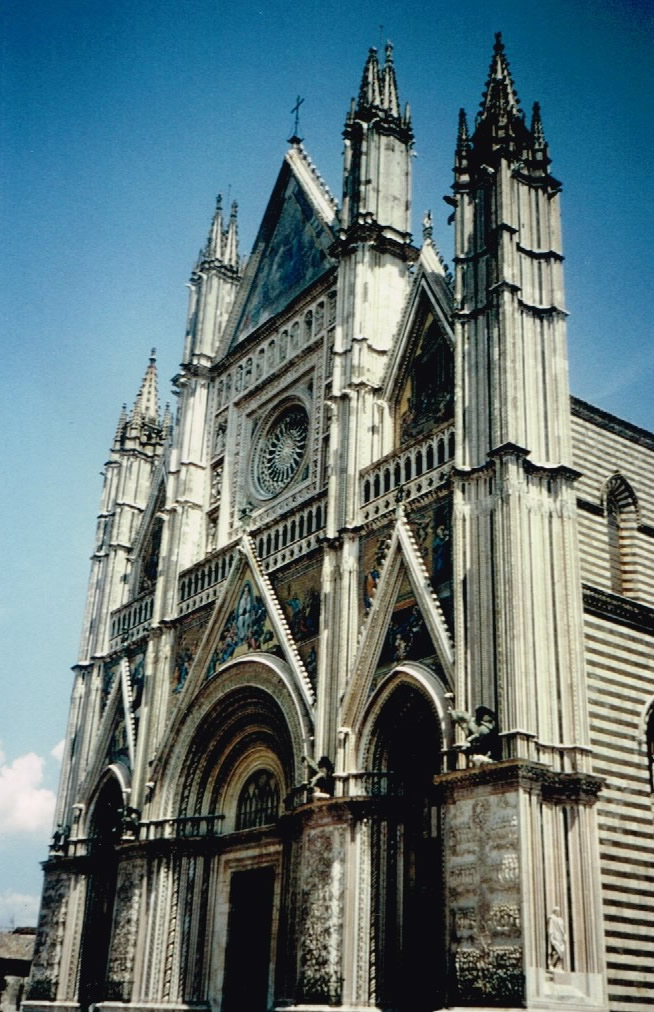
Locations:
(363, 716)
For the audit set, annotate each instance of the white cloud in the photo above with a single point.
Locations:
(18, 909)
(25, 806)
(58, 750)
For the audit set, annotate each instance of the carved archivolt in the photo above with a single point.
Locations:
(424, 682)
(245, 717)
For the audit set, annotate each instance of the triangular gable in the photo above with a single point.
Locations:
(291, 250)
(402, 562)
(247, 619)
(429, 300)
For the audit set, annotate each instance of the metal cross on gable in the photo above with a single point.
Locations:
(296, 126)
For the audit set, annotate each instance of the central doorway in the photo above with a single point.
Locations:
(249, 928)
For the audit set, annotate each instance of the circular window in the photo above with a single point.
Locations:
(280, 450)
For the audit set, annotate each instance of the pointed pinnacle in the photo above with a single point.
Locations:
(369, 92)
(147, 399)
(213, 250)
(500, 96)
(231, 238)
(463, 137)
(120, 428)
(167, 422)
(537, 131)
(391, 100)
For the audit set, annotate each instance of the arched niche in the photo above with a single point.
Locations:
(622, 518)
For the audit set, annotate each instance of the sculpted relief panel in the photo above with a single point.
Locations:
(483, 897)
(49, 939)
(321, 916)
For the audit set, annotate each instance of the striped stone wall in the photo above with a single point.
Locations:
(619, 635)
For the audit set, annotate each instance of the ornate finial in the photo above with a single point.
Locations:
(153, 355)
(389, 52)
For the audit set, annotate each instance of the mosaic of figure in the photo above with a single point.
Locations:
(305, 614)
(371, 578)
(183, 663)
(245, 627)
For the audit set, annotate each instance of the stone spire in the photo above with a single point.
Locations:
(500, 99)
(500, 122)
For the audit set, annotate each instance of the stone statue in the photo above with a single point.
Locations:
(60, 837)
(130, 818)
(322, 780)
(483, 742)
(555, 940)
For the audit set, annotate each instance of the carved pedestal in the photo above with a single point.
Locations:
(521, 881)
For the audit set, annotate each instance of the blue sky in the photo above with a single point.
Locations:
(120, 122)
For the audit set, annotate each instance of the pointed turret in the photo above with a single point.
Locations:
(519, 621)
(378, 141)
(500, 124)
(213, 284)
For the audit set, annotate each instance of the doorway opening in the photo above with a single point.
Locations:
(249, 931)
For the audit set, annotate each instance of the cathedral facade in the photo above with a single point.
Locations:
(364, 710)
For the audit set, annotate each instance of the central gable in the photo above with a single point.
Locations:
(290, 253)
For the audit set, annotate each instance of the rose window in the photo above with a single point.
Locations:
(281, 450)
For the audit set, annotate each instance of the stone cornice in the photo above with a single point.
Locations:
(621, 610)
(620, 427)
(378, 237)
(520, 774)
